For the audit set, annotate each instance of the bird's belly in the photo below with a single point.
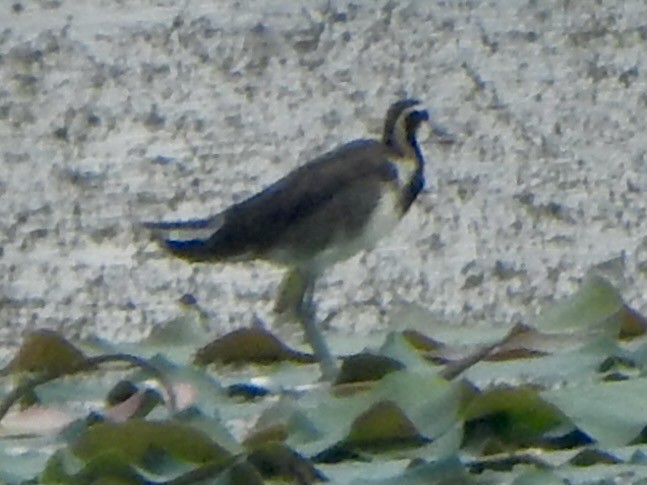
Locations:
(345, 244)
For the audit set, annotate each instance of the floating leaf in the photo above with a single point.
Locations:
(421, 341)
(612, 413)
(525, 342)
(25, 462)
(239, 473)
(366, 367)
(595, 307)
(444, 472)
(429, 403)
(632, 323)
(273, 433)
(382, 425)
(592, 456)
(506, 462)
(513, 415)
(276, 460)
(538, 477)
(46, 351)
(573, 364)
(65, 469)
(249, 345)
(399, 348)
(455, 369)
(185, 329)
(132, 440)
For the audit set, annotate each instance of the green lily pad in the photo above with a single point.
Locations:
(46, 351)
(513, 416)
(366, 367)
(428, 404)
(275, 460)
(612, 413)
(383, 425)
(133, 440)
(593, 308)
(249, 345)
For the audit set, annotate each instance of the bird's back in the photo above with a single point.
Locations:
(302, 212)
(328, 199)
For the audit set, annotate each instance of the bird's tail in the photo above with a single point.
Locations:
(186, 239)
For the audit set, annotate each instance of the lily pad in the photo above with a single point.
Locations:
(46, 351)
(612, 413)
(366, 367)
(515, 416)
(133, 440)
(249, 346)
(383, 425)
(595, 307)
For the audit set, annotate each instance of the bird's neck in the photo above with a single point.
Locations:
(417, 181)
(415, 149)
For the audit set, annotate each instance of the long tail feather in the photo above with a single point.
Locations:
(195, 250)
(191, 224)
(186, 239)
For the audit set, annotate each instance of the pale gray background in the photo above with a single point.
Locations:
(117, 111)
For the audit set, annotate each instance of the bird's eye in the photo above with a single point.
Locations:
(414, 119)
(420, 115)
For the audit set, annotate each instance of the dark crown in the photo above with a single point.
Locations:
(394, 126)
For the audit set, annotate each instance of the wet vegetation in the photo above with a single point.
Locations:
(560, 400)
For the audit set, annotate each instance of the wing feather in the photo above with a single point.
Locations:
(256, 225)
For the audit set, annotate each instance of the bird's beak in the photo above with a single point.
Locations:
(440, 135)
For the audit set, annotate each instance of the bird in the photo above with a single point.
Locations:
(321, 213)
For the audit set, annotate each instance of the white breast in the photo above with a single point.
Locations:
(385, 217)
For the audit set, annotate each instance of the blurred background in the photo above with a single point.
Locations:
(114, 112)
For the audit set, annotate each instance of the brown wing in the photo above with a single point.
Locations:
(346, 182)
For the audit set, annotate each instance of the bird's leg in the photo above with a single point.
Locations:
(306, 312)
(295, 302)
(290, 294)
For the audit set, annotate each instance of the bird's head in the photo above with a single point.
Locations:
(403, 119)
